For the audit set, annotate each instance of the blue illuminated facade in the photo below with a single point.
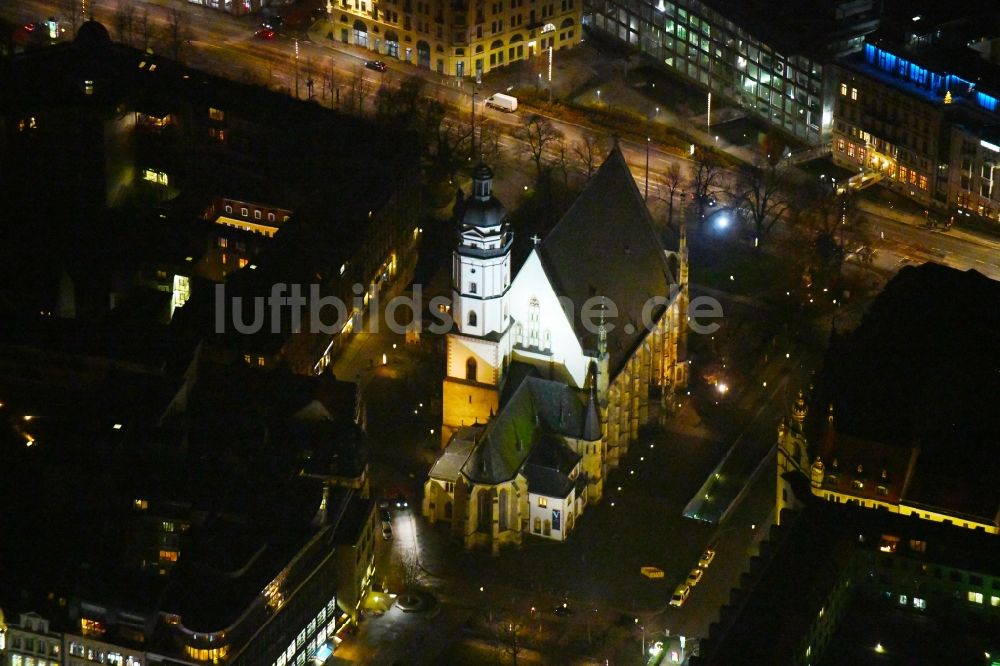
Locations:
(936, 84)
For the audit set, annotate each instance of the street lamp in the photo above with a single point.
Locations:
(646, 195)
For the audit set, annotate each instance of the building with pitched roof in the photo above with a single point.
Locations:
(915, 430)
(549, 374)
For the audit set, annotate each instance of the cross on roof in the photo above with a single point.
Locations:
(535, 239)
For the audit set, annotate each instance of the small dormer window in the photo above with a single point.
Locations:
(256, 214)
(244, 212)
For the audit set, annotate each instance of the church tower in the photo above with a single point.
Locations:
(478, 344)
(792, 457)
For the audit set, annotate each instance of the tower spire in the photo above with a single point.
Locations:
(602, 333)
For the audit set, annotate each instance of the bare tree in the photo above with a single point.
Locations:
(707, 173)
(509, 633)
(591, 152)
(145, 30)
(564, 161)
(762, 192)
(673, 179)
(489, 141)
(538, 133)
(71, 12)
(178, 32)
(832, 227)
(358, 90)
(124, 20)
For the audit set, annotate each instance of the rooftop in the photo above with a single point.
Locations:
(605, 247)
(916, 373)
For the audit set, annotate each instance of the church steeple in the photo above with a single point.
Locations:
(478, 344)
(482, 182)
(592, 421)
(481, 272)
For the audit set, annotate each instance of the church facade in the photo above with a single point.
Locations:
(550, 372)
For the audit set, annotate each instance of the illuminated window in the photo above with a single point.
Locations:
(843, 89)
(217, 134)
(994, 601)
(244, 212)
(840, 145)
(229, 209)
(903, 600)
(140, 504)
(923, 182)
(543, 502)
(88, 87)
(243, 262)
(225, 258)
(91, 627)
(158, 177)
(216, 114)
(919, 603)
(223, 242)
(168, 527)
(854, 94)
(850, 150)
(976, 597)
(168, 555)
(256, 215)
(260, 361)
(903, 172)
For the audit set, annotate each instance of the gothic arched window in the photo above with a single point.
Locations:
(470, 369)
(533, 313)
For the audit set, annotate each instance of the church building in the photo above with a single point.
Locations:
(550, 372)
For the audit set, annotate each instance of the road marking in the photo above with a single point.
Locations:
(980, 261)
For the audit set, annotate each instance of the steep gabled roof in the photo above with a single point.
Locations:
(538, 414)
(605, 246)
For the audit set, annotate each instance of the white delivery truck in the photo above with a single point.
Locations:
(502, 102)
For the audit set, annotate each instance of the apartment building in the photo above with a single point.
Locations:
(923, 122)
(461, 37)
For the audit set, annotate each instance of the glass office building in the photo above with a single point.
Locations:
(778, 78)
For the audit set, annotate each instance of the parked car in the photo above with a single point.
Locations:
(264, 33)
(680, 595)
(694, 577)
(387, 532)
(272, 22)
(385, 516)
(377, 65)
(706, 558)
(562, 610)
(34, 26)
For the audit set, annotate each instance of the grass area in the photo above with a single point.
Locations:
(755, 272)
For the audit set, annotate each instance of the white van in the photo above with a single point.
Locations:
(502, 102)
